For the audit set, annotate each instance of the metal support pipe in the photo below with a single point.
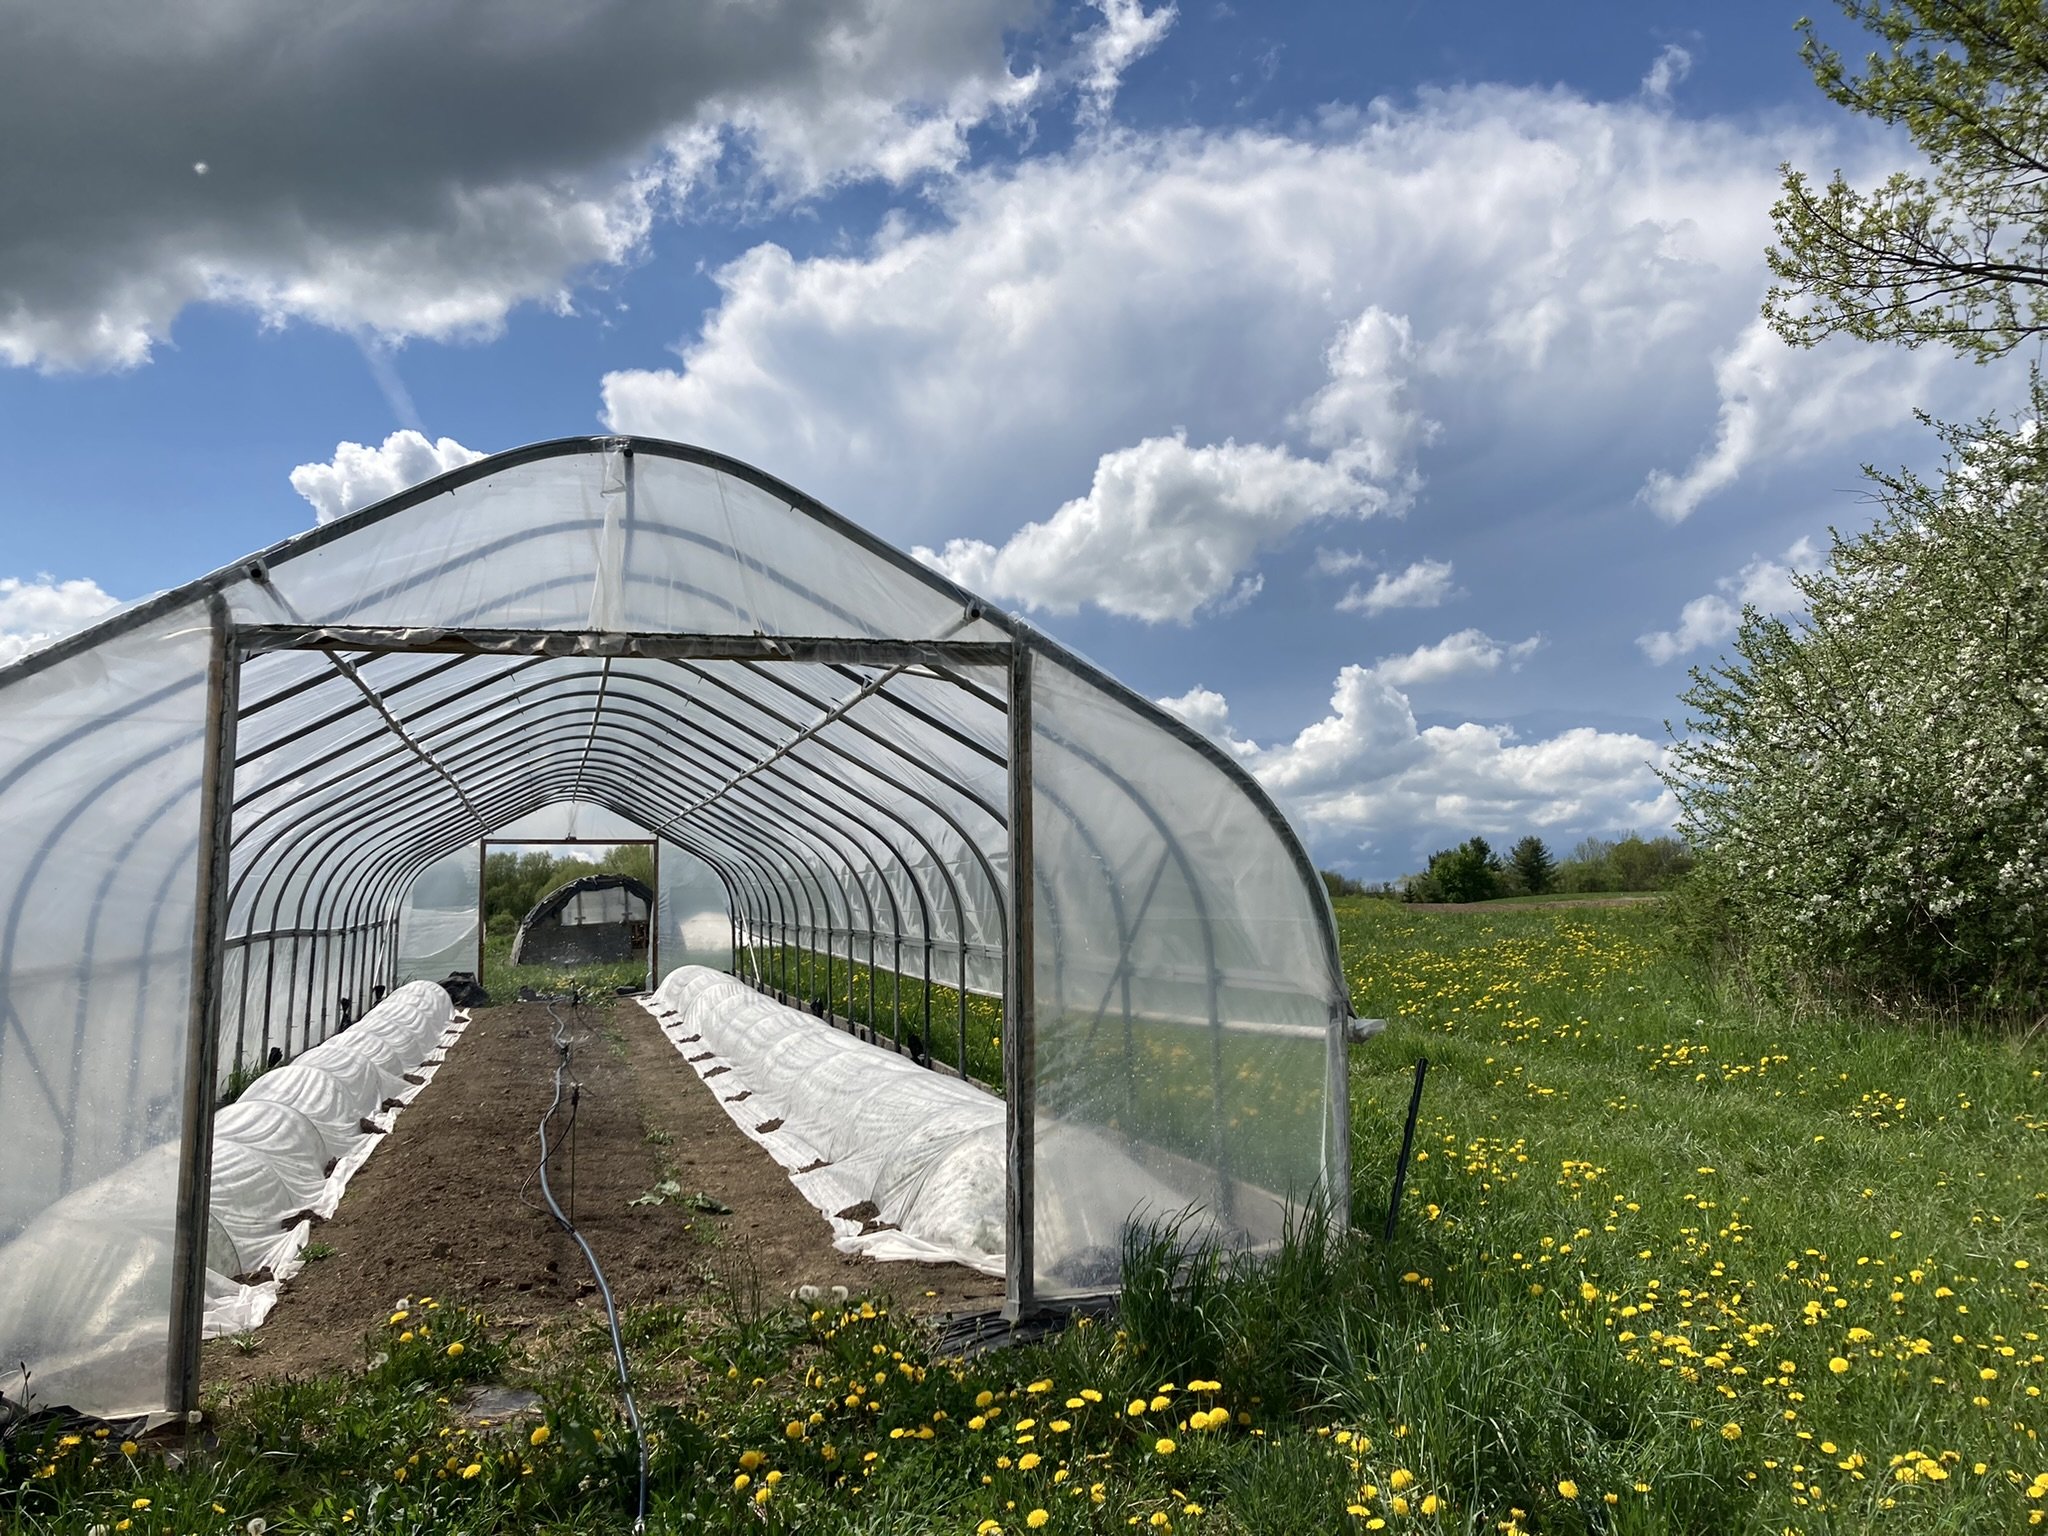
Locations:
(654, 923)
(202, 1038)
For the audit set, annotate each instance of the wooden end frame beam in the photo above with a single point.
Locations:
(851, 650)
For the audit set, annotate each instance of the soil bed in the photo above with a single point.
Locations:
(449, 1206)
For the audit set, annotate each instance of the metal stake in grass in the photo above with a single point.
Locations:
(1407, 1146)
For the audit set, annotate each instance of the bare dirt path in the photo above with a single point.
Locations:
(448, 1206)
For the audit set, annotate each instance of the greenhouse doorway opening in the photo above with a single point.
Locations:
(840, 901)
(550, 908)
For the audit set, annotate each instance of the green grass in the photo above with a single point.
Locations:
(502, 979)
(1671, 1259)
(1572, 898)
(894, 1005)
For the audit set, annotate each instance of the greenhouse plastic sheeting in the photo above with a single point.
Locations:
(676, 642)
(87, 1280)
(694, 924)
(437, 927)
(925, 1149)
(1191, 1044)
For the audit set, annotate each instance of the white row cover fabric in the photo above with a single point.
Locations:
(450, 663)
(871, 1126)
(863, 1126)
(83, 1289)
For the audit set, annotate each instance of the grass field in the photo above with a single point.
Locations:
(1670, 1260)
(502, 979)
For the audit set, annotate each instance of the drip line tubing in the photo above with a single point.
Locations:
(563, 1060)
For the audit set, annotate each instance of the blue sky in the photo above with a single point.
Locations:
(1380, 384)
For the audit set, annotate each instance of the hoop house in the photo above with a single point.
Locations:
(215, 805)
(595, 919)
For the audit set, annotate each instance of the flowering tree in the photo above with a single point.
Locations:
(1867, 787)
(1958, 254)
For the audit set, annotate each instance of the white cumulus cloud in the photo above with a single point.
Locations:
(1424, 584)
(1168, 530)
(1671, 65)
(1340, 562)
(1366, 773)
(1513, 277)
(1469, 650)
(1779, 403)
(1128, 32)
(1164, 531)
(387, 173)
(1765, 585)
(41, 608)
(359, 476)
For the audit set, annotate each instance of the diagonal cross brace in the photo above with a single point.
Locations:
(397, 727)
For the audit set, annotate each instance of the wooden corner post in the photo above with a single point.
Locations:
(202, 1036)
(1020, 1013)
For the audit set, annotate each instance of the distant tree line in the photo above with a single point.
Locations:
(515, 881)
(1344, 885)
(1472, 871)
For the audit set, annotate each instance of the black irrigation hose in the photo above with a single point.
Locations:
(611, 1310)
